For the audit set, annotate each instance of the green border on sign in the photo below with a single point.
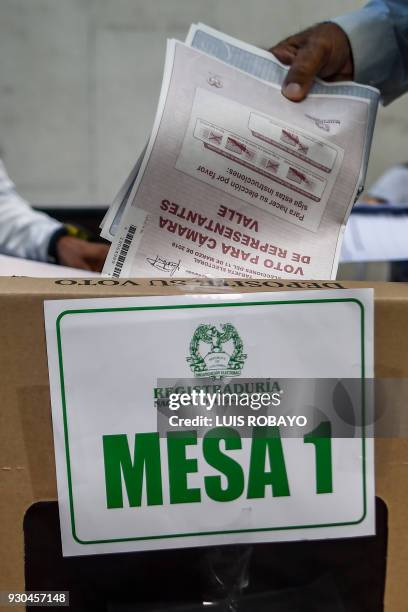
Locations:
(195, 306)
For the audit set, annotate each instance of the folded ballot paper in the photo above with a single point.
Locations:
(236, 180)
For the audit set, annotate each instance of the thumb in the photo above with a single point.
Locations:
(305, 66)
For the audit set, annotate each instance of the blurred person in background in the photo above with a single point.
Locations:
(27, 233)
(391, 188)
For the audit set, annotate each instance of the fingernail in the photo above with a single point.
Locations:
(293, 91)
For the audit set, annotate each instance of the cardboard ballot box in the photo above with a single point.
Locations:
(27, 467)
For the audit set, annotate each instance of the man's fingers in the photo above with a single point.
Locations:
(322, 50)
(305, 66)
(284, 54)
(287, 49)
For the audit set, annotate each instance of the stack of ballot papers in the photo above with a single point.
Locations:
(236, 180)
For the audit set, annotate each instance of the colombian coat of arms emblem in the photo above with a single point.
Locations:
(216, 352)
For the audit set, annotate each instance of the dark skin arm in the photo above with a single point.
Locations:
(80, 254)
(322, 50)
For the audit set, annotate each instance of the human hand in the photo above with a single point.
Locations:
(322, 50)
(77, 253)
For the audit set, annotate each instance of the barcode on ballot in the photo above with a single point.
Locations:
(124, 250)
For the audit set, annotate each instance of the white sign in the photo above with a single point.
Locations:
(124, 487)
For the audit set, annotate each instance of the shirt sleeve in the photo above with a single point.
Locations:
(24, 232)
(378, 35)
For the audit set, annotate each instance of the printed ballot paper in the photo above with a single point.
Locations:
(130, 480)
(236, 180)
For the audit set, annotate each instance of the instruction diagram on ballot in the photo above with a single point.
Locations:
(259, 154)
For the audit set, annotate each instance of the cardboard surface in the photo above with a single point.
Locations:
(27, 469)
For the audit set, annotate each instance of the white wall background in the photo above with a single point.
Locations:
(79, 81)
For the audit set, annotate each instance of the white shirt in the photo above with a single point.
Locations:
(392, 186)
(24, 232)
